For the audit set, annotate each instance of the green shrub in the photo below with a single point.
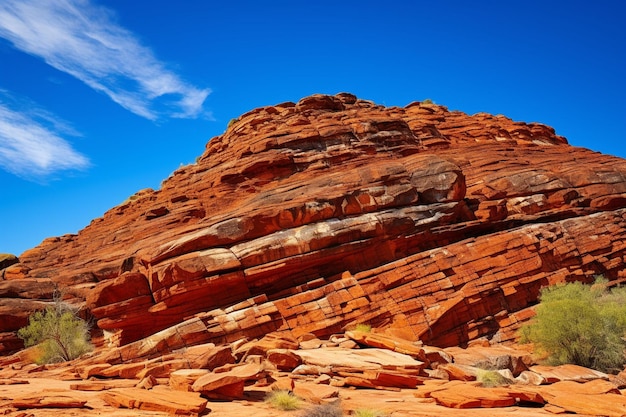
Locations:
(362, 327)
(492, 378)
(283, 400)
(58, 331)
(580, 324)
(323, 410)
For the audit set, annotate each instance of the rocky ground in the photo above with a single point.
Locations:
(355, 370)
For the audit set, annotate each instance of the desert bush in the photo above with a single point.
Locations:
(283, 400)
(491, 378)
(58, 332)
(580, 324)
(363, 327)
(323, 410)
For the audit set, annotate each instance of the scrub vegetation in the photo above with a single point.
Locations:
(580, 324)
(58, 331)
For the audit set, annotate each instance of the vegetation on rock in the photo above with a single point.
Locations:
(283, 400)
(58, 331)
(362, 327)
(580, 324)
(492, 378)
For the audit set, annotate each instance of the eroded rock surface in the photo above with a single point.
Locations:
(314, 216)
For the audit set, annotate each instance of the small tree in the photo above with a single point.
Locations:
(580, 324)
(60, 333)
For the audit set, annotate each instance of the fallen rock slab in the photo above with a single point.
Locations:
(183, 379)
(208, 356)
(459, 394)
(10, 381)
(228, 384)
(595, 387)
(567, 372)
(383, 341)
(315, 393)
(52, 399)
(162, 369)
(381, 379)
(103, 385)
(363, 359)
(459, 372)
(468, 396)
(610, 405)
(179, 403)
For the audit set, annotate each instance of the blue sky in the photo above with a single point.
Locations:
(102, 98)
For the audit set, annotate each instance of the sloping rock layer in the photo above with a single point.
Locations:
(314, 216)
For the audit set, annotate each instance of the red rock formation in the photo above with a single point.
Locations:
(315, 216)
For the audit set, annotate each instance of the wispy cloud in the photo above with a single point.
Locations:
(83, 39)
(31, 140)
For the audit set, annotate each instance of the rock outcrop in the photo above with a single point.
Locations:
(314, 216)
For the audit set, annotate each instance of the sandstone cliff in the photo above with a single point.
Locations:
(311, 217)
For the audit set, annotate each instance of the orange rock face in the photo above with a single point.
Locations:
(312, 217)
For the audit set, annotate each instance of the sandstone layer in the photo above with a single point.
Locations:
(312, 217)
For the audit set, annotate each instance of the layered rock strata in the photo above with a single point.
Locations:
(311, 217)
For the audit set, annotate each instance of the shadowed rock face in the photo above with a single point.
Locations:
(314, 216)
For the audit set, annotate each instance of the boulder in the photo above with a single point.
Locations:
(283, 359)
(228, 384)
(183, 379)
(7, 259)
(315, 393)
(208, 356)
(459, 372)
(492, 358)
(530, 378)
(268, 342)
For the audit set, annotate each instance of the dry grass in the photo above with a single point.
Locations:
(283, 400)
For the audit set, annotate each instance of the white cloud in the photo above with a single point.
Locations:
(31, 142)
(83, 40)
